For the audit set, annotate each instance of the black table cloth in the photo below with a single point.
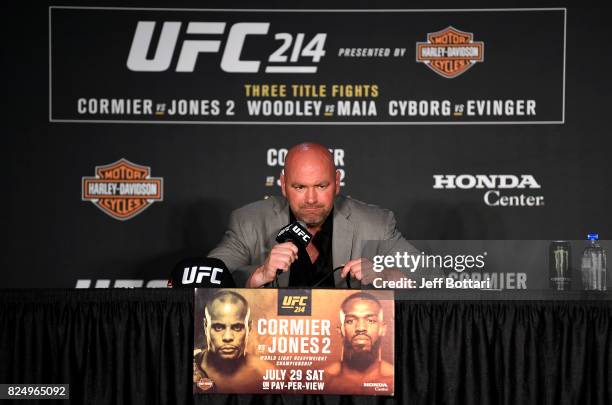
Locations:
(126, 346)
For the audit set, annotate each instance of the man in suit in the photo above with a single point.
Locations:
(340, 226)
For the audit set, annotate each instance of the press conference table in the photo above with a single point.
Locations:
(124, 346)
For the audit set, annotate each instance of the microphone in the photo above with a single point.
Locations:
(199, 272)
(296, 233)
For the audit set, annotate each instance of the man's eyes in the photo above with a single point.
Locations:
(351, 321)
(319, 186)
(235, 328)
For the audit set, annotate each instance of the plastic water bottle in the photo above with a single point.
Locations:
(594, 265)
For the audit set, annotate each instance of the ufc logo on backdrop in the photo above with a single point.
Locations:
(290, 51)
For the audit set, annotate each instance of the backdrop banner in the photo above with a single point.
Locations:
(313, 66)
(133, 132)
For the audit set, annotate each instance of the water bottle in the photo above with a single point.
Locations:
(593, 265)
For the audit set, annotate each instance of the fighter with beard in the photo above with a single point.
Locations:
(225, 366)
(362, 327)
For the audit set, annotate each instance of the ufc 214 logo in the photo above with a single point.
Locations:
(296, 53)
(294, 302)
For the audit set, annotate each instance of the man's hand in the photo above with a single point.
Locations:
(360, 269)
(280, 258)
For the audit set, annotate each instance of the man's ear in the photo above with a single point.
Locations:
(383, 329)
(206, 334)
(282, 183)
(341, 330)
(337, 181)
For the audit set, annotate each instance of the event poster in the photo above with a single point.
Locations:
(293, 341)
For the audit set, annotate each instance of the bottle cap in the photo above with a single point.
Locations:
(592, 236)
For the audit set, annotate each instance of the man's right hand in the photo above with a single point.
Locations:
(280, 258)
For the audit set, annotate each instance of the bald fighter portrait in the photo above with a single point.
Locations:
(225, 365)
(362, 328)
(310, 186)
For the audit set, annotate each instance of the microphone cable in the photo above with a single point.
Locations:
(348, 277)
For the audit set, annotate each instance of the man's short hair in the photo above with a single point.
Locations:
(360, 296)
(227, 296)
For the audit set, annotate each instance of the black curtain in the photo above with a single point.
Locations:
(134, 347)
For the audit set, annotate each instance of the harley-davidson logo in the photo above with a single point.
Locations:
(450, 52)
(205, 384)
(122, 189)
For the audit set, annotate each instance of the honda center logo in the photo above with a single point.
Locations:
(500, 188)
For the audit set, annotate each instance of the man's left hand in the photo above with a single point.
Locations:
(360, 269)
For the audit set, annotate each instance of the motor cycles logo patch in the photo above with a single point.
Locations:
(450, 52)
(122, 189)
